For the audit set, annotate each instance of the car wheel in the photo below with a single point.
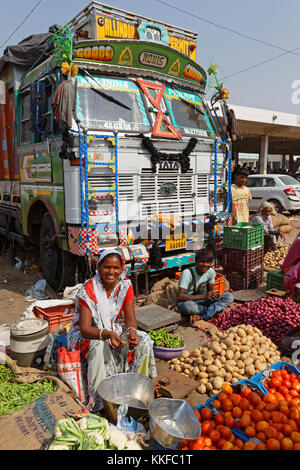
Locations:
(277, 206)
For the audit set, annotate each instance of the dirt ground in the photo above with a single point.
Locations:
(14, 284)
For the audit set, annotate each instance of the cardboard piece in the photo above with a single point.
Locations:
(151, 317)
(172, 384)
(32, 427)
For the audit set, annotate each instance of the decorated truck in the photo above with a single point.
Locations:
(107, 140)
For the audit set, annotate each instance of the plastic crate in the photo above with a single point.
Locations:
(243, 236)
(219, 285)
(245, 280)
(264, 374)
(275, 280)
(242, 260)
(57, 315)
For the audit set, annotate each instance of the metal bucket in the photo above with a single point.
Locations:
(172, 421)
(134, 390)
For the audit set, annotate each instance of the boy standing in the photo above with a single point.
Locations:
(196, 298)
(240, 196)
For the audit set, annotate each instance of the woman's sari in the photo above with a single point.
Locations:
(99, 358)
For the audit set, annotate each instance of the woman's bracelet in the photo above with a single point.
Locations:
(130, 328)
(100, 334)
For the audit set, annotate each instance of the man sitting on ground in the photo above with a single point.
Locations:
(196, 298)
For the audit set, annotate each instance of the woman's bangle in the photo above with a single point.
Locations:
(100, 334)
(130, 328)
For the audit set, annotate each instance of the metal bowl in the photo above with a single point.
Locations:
(172, 421)
(134, 390)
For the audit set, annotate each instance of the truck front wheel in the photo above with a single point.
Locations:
(52, 256)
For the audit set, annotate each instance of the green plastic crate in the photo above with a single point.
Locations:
(275, 280)
(243, 236)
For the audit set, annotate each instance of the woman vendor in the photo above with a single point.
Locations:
(291, 266)
(107, 345)
(264, 217)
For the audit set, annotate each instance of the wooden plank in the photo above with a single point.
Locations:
(151, 317)
(172, 384)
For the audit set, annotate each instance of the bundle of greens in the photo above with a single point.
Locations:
(164, 339)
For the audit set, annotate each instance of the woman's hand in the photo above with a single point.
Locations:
(115, 340)
(133, 339)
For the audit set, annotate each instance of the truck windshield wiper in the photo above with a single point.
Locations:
(104, 95)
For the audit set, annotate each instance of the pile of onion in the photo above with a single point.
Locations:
(274, 316)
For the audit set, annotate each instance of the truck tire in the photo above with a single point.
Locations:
(52, 256)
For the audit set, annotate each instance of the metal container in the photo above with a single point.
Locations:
(134, 390)
(172, 421)
(28, 340)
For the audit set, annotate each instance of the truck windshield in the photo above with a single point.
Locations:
(188, 113)
(96, 111)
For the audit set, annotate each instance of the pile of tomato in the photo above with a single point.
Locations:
(269, 418)
(285, 383)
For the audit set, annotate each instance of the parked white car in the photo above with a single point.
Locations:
(282, 190)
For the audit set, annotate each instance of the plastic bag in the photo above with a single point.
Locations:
(70, 371)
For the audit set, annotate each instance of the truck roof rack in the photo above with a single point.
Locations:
(96, 8)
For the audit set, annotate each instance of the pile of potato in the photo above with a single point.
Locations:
(274, 259)
(239, 353)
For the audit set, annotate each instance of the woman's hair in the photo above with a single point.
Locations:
(204, 255)
(111, 255)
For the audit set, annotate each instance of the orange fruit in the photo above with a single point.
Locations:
(237, 412)
(261, 446)
(226, 432)
(227, 388)
(295, 436)
(244, 403)
(245, 420)
(271, 406)
(206, 414)
(253, 398)
(286, 444)
(227, 446)
(276, 416)
(272, 444)
(261, 436)
(246, 392)
(293, 424)
(229, 421)
(271, 432)
(296, 446)
(266, 415)
(239, 443)
(214, 435)
(249, 445)
(235, 398)
(219, 419)
(256, 415)
(227, 404)
(222, 396)
(294, 413)
(250, 431)
(221, 442)
(287, 429)
(261, 426)
(270, 398)
(197, 414)
(217, 404)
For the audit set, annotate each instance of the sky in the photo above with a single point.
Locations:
(247, 40)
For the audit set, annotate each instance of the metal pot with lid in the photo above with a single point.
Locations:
(28, 340)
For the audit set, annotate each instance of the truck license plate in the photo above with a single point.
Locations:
(175, 244)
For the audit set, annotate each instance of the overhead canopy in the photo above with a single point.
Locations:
(282, 129)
